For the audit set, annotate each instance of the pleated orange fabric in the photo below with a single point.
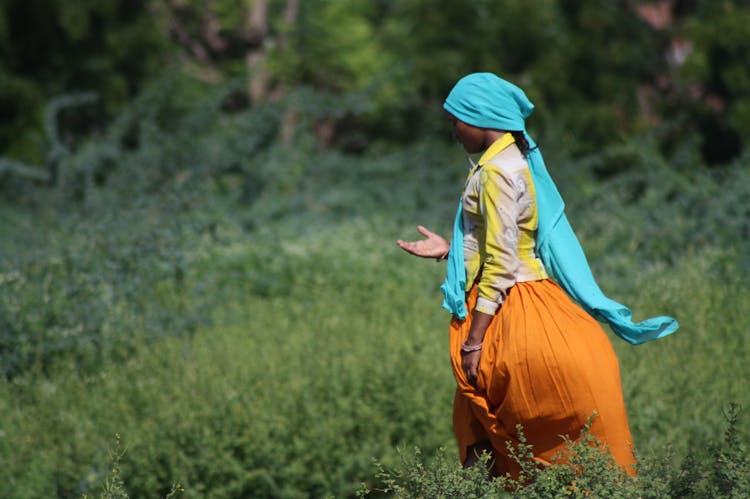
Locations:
(545, 364)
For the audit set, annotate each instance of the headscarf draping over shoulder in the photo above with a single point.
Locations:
(485, 100)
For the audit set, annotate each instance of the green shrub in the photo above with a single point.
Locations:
(586, 471)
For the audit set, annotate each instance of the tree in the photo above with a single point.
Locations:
(51, 47)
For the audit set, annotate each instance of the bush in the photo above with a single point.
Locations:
(586, 470)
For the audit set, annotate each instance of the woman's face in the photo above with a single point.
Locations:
(472, 138)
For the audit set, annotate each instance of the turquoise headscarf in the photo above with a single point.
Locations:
(485, 100)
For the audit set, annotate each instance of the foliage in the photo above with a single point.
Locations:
(344, 58)
(715, 72)
(235, 306)
(565, 56)
(194, 161)
(49, 48)
(599, 73)
(236, 410)
(586, 470)
(137, 277)
(113, 486)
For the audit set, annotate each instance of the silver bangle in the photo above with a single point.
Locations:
(470, 348)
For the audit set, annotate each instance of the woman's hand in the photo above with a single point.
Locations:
(433, 246)
(475, 339)
(470, 366)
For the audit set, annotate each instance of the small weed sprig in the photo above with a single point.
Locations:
(730, 470)
(113, 486)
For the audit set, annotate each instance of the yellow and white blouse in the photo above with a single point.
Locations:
(500, 223)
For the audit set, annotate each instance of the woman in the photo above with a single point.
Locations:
(523, 352)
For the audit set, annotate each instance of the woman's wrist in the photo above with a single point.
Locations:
(469, 348)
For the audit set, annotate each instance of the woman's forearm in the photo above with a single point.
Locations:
(479, 323)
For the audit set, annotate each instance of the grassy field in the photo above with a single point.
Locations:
(300, 383)
(240, 315)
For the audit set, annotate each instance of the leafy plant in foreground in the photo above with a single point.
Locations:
(585, 469)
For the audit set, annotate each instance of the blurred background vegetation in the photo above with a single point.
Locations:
(602, 72)
(199, 198)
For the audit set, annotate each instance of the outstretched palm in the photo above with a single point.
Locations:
(433, 246)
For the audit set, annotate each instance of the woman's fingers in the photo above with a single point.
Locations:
(405, 246)
(418, 248)
(411, 247)
(470, 365)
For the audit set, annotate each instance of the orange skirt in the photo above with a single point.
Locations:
(547, 365)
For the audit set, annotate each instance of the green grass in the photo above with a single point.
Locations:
(295, 392)
(302, 381)
(238, 311)
(676, 388)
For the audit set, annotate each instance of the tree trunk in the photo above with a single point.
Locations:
(257, 29)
